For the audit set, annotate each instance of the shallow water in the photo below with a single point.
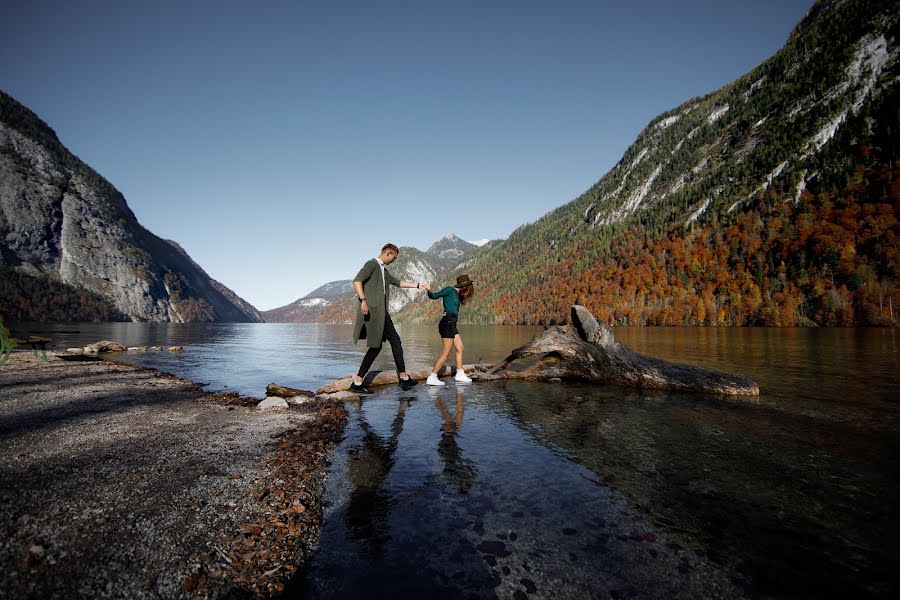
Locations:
(569, 490)
(580, 491)
(444, 493)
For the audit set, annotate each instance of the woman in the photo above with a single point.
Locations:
(454, 297)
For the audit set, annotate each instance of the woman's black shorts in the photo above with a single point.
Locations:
(447, 326)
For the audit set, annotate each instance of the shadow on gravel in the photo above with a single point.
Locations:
(114, 402)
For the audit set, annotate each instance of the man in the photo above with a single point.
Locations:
(373, 323)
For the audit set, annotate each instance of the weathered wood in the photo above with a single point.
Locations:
(273, 389)
(587, 350)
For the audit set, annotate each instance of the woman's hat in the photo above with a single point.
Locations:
(463, 281)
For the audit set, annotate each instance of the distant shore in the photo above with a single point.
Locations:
(126, 481)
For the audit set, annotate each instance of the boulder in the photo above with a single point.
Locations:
(272, 402)
(137, 348)
(104, 346)
(176, 349)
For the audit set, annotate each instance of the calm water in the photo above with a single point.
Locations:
(569, 490)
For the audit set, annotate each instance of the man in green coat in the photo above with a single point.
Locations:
(373, 323)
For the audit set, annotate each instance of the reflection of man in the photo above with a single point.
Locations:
(457, 468)
(368, 465)
(373, 323)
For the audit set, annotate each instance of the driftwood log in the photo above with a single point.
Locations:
(587, 350)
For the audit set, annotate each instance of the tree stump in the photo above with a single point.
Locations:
(587, 350)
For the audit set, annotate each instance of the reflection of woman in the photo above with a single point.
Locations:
(368, 465)
(457, 468)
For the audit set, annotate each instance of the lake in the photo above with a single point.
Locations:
(569, 490)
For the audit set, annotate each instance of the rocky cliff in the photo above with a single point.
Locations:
(60, 221)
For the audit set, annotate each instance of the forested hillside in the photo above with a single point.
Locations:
(772, 201)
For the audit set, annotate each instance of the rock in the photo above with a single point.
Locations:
(588, 351)
(104, 346)
(298, 400)
(156, 348)
(338, 396)
(273, 389)
(377, 378)
(75, 350)
(137, 348)
(176, 349)
(270, 402)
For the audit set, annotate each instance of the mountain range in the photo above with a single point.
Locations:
(771, 201)
(335, 302)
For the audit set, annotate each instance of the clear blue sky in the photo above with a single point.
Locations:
(281, 143)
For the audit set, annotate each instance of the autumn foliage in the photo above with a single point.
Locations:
(817, 260)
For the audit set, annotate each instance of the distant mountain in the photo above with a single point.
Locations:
(71, 249)
(308, 308)
(772, 201)
(335, 302)
(450, 248)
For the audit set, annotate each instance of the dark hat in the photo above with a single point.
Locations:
(463, 281)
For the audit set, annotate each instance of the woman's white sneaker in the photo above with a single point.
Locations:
(433, 380)
(461, 377)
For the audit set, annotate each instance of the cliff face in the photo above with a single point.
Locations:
(61, 221)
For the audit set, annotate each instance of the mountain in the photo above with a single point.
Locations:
(308, 308)
(450, 247)
(335, 302)
(772, 201)
(72, 249)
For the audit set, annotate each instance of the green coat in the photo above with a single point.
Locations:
(377, 295)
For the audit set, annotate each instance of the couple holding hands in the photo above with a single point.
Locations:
(374, 324)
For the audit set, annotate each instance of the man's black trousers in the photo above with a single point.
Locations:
(390, 335)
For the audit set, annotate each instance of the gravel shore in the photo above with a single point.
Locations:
(118, 481)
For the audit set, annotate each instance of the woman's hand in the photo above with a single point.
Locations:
(365, 307)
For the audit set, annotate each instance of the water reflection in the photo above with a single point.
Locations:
(443, 493)
(368, 464)
(458, 470)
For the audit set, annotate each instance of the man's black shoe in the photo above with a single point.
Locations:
(408, 383)
(360, 389)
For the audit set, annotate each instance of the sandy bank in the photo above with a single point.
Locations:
(125, 482)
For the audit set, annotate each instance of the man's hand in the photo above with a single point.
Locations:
(365, 307)
(426, 287)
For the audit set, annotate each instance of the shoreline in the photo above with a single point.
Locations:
(128, 481)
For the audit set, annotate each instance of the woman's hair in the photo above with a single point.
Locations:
(465, 293)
